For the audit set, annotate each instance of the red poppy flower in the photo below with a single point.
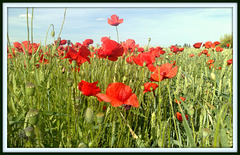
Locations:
(140, 49)
(179, 116)
(219, 49)
(230, 61)
(208, 54)
(174, 49)
(45, 61)
(130, 60)
(205, 51)
(208, 44)
(199, 54)
(210, 62)
(163, 72)
(130, 43)
(157, 51)
(119, 94)
(148, 87)
(87, 42)
(197, 45)
(181, 49)
(146, 57)
(219, 68)
(228, 45)
(182, 98)
(114, 21)
(216, 43)
(89, 89)
(110, 49)
(174, 63)
(18, 46)
(211, 66)
(80, 57)
(191, 55)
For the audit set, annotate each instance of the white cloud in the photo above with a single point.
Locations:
(25, 16)
(100, 19)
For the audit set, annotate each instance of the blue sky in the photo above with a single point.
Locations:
(165, 26)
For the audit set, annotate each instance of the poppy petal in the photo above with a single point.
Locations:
(133, 101)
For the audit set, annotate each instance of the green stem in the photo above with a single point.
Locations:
(117, 34)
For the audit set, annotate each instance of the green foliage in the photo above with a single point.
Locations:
(226, 39)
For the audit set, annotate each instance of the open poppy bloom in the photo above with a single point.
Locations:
(130, 60)
(179, 116)
(89, 89)
(227, 45)
(209, 44)
(197, 45)
(119, 94)
(80, 57)
(148, 87)
(41, 60)
(110, 49)
(87, 42)
(216, 43)
(191, 55)
(230, 61)
(165, 71)
(114, 21)
(210, 62)
(182, 98)
(219, 49)
(181, 49)
(140, 49)
(147, 58)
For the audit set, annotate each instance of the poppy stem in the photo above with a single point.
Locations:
(117, 34)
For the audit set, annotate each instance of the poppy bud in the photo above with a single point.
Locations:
(53, 33)
(158, 63)
(100, 117)
(149, 39)
(97, 45)
(82, 145)
(29, 131)
(33, 116)
(142, 87)
(89, 115)
(70, 82)
(213, 76)
(91, 47)
(30, 89)
(74, 63)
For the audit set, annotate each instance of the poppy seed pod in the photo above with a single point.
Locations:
(74, 63)
(89, 115)
(82, 145)
(29, 131)
(70, 82)
(100, 117)
(30, 89)
(53, 33)
(33, 116)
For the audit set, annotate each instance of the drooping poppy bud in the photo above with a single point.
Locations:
(70, 82)
(89, 115)
(29, 131)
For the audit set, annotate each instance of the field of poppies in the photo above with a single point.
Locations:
(118, 94)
